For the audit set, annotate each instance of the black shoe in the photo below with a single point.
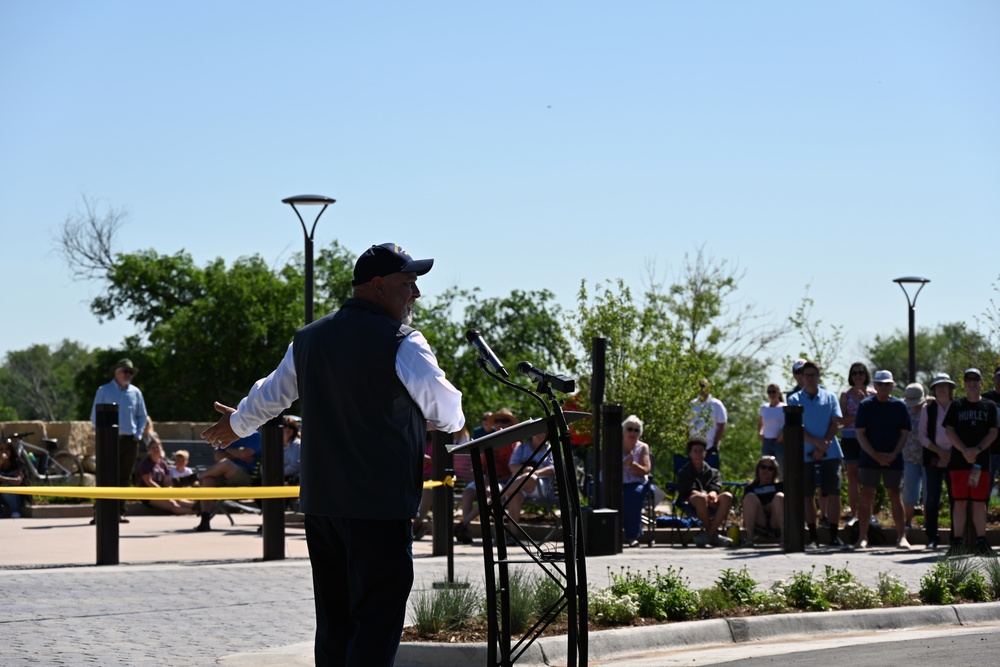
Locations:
(93, 521)
(836, 542)
(933, 545)
(983, 548)
(463, 534)
(122, 519)
(205, 524)
(955, 549)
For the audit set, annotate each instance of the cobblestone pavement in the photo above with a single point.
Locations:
(197, 610)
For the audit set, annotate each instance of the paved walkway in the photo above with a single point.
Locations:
(186, 598)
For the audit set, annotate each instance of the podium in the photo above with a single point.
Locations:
(566, 567)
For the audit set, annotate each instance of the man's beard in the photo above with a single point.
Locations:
(407, 317)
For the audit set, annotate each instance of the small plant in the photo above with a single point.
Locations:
(609, 608)
(547, 595)
(739, 586)
(522, 600)
(991, 566)
(942, 582)
(844, 591)
(974, 587)
(713, 602)
(444, 609)
(770, 602)
(892, 591)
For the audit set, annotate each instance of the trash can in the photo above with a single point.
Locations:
(601, 532)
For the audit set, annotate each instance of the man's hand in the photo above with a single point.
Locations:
(221, 434)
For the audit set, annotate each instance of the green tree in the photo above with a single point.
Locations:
(38, 382)
(948, 348)
(817, 345)
(524, 326)
(208, 333)
(649, 365)
(659, 347)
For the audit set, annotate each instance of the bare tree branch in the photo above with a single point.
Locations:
(87, 238)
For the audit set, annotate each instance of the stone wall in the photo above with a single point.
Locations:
(78, 437)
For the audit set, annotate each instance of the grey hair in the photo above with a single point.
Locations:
(632, 419)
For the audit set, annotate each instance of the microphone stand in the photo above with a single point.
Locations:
(572, 558)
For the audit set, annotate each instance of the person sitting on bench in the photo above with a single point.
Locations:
(700, 485)
(235, 465)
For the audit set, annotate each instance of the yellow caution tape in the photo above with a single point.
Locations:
(447, 481)
(155, 493)
(173, 493)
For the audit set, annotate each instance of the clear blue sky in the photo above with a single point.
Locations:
(520, 144)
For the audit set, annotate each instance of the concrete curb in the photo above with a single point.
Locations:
(622, 642)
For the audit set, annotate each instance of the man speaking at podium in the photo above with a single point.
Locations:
(368, 384)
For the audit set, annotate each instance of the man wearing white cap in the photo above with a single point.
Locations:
(882, 427)
(971, 425)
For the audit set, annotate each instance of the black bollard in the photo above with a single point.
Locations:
(106, 511)
(442, 497)
(272, 469)
(794, 466)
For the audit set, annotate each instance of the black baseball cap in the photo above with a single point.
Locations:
(385, 259)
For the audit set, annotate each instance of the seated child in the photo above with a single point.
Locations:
(180, 474)
(700, 485)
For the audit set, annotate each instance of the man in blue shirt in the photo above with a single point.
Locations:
(820, 420)
(236, 465)
(882, 425)
(131, 419)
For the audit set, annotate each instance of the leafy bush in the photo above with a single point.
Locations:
(843, 590)
(948, 578)
(609, 608)
(804, 592)
(935, 587)
(974, 587)
(739, 586)
(661, 595)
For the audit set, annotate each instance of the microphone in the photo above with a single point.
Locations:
(561, 383)
(485, 353)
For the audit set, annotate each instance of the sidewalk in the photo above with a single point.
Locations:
(182, 597)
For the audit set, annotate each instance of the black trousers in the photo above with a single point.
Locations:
(362, 574)
(128, 452)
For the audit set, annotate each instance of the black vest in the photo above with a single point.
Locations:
(362, 434)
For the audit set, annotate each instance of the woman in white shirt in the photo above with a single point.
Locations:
(771, 424)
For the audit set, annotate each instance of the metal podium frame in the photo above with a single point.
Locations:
(567, 568)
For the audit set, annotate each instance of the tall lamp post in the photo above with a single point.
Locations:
(912, 306)
(309, 200)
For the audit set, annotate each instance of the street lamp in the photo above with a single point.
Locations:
(309, 200)
(912, 305)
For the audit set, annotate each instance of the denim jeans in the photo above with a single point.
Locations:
(914, 480)
(634, 497)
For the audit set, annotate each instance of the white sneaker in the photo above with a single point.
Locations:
(721, 541)
(701, 539)
(902, 543)
(861, 544)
